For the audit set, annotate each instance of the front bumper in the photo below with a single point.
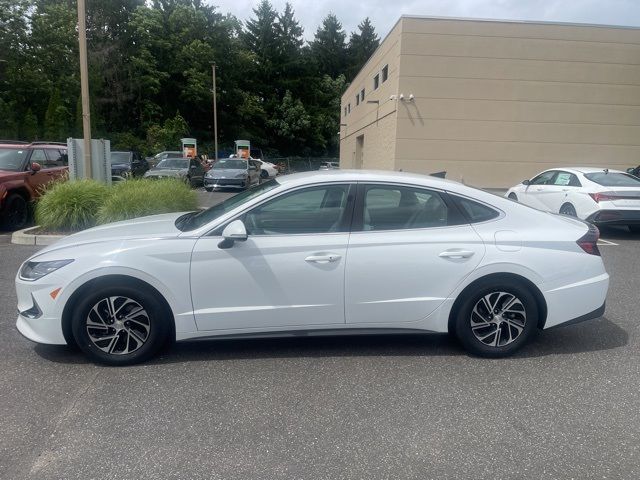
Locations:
(224, 182)
(615, 217)
(39, 314)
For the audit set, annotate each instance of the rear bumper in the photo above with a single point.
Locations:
(597, 313)
(615, 217)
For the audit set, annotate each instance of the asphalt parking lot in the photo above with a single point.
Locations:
(385, 407)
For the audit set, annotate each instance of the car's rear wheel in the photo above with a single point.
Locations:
(15, 213)
(120, 325)
(513, 196)
(496, 319)
(568, 209)
(208, 189)
(634, 228)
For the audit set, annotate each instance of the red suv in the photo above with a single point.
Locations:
(24, 169)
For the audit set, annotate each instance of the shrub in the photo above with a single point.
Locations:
(67, 206)
(138, 198)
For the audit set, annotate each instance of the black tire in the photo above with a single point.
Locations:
(208, 189)
(15, 212)
(470, 337)
(264, 174)
(634, 228)
(568, 209)
(153, 337)
(513, 197)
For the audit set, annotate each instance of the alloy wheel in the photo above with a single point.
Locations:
(118, 325)
(498, 319)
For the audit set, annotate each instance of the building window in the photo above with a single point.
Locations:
(345, 111)
(357, 99)
(349, 108)
(385, 73)
(376, 82)
(362, 95)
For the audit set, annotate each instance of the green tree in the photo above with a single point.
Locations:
(56, 119)
(361, 46)
(328, 47)
(29, 127)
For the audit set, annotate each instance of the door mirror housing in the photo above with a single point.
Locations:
(35, 167)
(234, 232)
(526, 182)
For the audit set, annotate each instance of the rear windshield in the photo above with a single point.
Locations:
(613, 179)
(12, 159)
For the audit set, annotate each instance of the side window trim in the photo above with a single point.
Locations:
(347, 221)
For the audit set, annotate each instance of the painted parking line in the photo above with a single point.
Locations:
(603, 242)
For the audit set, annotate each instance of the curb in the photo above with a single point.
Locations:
(23, 237)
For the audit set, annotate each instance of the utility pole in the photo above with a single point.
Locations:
(215, 113)
(84, 87)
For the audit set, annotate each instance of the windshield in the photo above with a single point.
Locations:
(613, 179)
(230, 163)
(173, 163)
(192, 221)
(120, 157)
(12, 159)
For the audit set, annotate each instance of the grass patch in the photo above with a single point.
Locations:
(139, 198)
(70, 206)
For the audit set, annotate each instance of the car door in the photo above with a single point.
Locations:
(196, 171)
(288, 273)
(557, 194)
(38, 179)
(409, 249)
(254, 172)
(536, 193)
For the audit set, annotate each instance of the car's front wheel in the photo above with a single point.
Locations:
(15, 212)
(120, 325)
(496, 318)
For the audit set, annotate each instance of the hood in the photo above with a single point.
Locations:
(155, 226)
(225, 172)
(166, 172)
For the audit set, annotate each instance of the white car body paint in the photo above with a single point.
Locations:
(375, 280)
(551, 198)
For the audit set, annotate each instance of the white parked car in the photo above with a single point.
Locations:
(267, 169)
(600, 196)
(318, 253)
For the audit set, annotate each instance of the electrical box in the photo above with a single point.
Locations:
(243, 148)
(189, 147)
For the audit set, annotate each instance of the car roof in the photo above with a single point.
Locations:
(316, 176)
(22, 145)
(584, 170)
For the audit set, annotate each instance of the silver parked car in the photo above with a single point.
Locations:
(187, 169)
(232, 173)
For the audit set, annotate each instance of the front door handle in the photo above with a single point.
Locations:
(325, 258)
(456, 254)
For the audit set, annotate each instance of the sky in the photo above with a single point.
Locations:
(384, 13)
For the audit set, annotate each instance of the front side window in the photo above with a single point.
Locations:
(39, 156)
(545, 178)
(56, 158)
(390, 207)
(120, 157)
(310, 210)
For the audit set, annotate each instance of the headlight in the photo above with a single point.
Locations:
(241, 175)
(37, 270)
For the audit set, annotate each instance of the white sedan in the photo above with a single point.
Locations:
(600, 196)
(267, 169)
(319, 253)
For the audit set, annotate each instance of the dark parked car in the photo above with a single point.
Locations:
(25, 168)
(128, 164)
(187, 169)
(634, 171)
(232, 173)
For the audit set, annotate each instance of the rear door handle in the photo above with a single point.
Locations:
(326, 258)
(456, 254)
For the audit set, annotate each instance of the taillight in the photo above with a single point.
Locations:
(589, 241)
(599, 197)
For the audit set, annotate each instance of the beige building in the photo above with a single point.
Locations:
(494, 102)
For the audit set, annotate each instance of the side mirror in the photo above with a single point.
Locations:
(526, 182)
(234, 232)
(35, 167)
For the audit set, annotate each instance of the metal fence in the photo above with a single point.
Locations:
(299, 164)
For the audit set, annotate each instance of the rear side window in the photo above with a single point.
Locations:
(613, 179)
(474, 211)
(390, 207)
